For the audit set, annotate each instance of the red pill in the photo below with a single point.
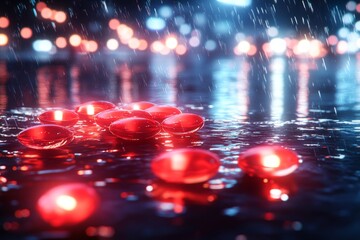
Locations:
(61, 117)
(268, 161)
(90, 109)
(160, 112)
(186, 165)
(142, 105)
(183, 123)
(135, 128)
(67, 204)
(45, 136)
(105, 118)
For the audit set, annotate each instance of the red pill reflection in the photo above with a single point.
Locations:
(135, 128)
(186, 166)
(105, 118)
(142, 105)
(61, 117)
(47, 136)
(180, 195)
(182, 124)
(160, 112)
(67, 204)
(90, 109)
(268, 161)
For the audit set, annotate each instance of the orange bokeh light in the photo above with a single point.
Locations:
(143, 45)
(3, 39)
(26, 33)
(180, 49)
(134, 43)
(75, 40)
(40, 6)
(46, 13)
(61, 42)
(60, 17)
(114, 23)
(4, 22)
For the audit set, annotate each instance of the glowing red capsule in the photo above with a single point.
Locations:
(268, 161)
(160, 112)
(45, 136)
(183, 123)
(186, 165)
(90, 109)
(67, 204)
(142, 105)
(105, 118)
(135, 128)
(61, 117)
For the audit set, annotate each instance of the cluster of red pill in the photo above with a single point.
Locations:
(135, 121)
(144, 120)
(72, 203)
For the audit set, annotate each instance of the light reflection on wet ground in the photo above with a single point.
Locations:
(311, 107)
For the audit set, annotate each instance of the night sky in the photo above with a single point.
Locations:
(316, 18)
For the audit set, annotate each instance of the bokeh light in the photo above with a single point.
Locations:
(4, 22)
(26, 33)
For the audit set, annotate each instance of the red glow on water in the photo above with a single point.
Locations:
(46, 136)
(135, 128)
(183, 123)
(186, 166)
(67, 204)
(62, 117)
(268, 161)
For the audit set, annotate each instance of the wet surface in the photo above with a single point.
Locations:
(309, 106)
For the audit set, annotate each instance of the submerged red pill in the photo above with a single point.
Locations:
(105, 118)
(268, 161)
(186, 165)
(45, 136)
(90, 109)
(183, 123)
(67, 204)
(160, 112)
(142, 105)
(61, 117)
(135, 128)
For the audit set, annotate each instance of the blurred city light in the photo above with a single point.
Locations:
(155, 23)
(3, 39)
(240, 3)
(42, 45)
